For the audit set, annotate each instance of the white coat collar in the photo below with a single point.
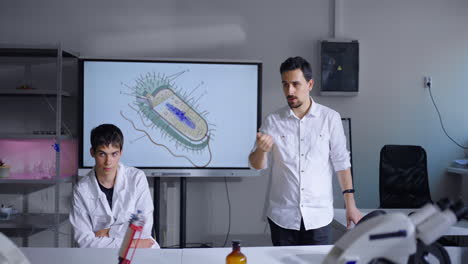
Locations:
(119, 186)
(119, 180)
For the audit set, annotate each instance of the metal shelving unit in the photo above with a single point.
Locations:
(26, 224)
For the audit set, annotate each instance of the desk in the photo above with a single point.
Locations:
(267, 255)
(460, 183)
(458, 169)
(261, 255)
(99, 256)
(339, 221)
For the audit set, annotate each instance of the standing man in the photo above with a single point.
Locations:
(302, 143)
(104, 200)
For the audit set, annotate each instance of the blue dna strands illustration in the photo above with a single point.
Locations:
(181, 115)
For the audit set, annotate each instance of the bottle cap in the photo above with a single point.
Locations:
(236, 242)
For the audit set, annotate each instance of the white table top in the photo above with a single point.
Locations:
(459, 229)
(99, 255)
(270, 255)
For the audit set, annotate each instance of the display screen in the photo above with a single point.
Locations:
(174, 114)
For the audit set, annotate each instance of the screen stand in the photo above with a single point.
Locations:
(156, 211)
(183, 217)
(183, 207)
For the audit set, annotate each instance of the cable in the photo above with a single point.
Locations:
(229, 206)
(440, 119)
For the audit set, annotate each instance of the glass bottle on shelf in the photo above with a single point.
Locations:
(236, 256)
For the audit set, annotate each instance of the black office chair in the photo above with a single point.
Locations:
(403, 177)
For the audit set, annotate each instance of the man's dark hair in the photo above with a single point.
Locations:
(293, 63)
(105, 135)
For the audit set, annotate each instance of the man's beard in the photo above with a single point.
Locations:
(294, 105)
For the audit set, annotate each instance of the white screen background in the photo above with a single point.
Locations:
(228, 92)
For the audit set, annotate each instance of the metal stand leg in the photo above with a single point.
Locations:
(156, 212)
(183, 217)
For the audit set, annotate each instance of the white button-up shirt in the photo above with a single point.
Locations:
(301, 161)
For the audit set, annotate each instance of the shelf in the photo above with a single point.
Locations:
(24, 186)
(29, 224)
(30, 136)
(18, 92)
(22, 62)
(33, 51)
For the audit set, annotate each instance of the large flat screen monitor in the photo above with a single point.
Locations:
(179, 118)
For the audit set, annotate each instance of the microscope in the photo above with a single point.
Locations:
(398, 238)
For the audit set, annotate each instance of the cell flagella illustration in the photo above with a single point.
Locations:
(171, 110)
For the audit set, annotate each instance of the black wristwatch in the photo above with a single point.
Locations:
(348, 191)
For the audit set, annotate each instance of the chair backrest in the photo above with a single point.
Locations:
(403, 178)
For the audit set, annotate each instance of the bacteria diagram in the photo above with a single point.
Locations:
(167, 115)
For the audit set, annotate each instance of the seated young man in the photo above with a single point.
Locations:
(104, 200)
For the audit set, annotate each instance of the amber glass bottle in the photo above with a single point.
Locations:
(236, 256)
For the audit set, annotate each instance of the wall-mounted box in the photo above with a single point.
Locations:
(339, 67)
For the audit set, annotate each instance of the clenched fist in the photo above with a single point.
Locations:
(102, 233)
(264, 142)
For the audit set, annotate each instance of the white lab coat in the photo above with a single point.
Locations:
(91, 212)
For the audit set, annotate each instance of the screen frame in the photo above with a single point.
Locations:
(173, 171)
